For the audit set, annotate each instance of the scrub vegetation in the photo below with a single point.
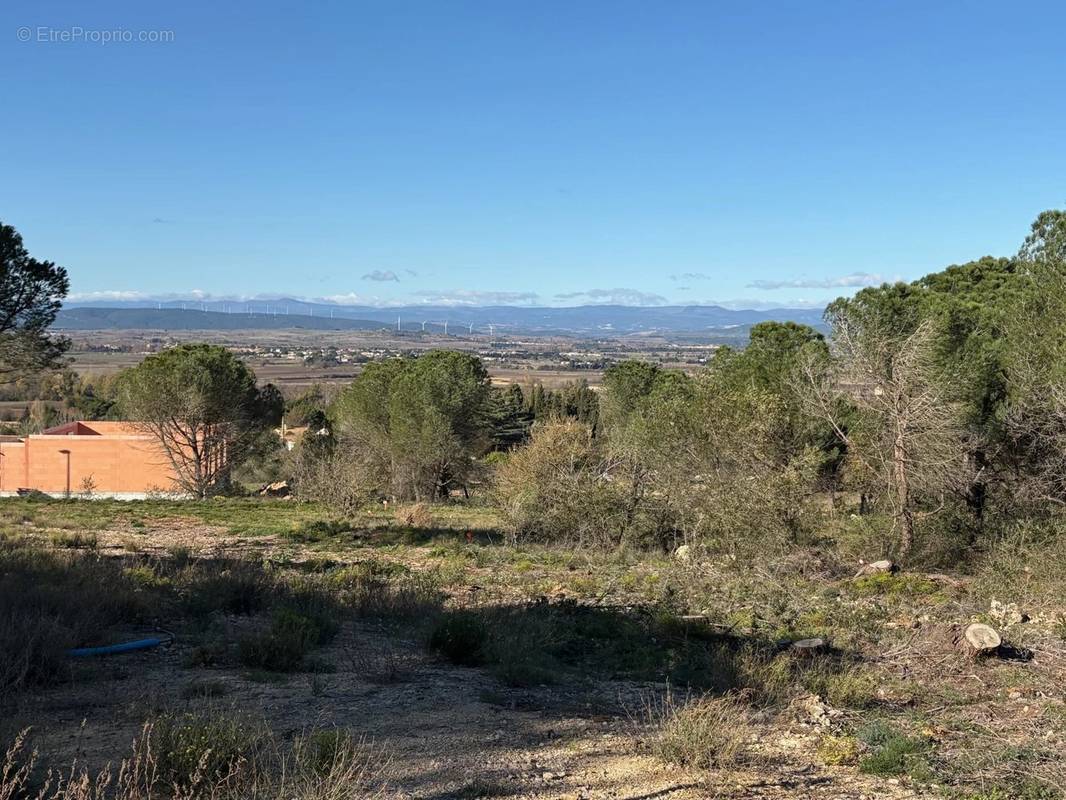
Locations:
(762, 577)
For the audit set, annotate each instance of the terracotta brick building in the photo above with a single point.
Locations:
(115, 459)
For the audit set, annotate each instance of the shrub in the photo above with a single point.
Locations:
(206, 757)
(319, 751)
(342, 478)
(539, 642)
(841, 686)
(232, 586)
(899, 584)
(556, 489)
(202, 689)
(379, 661)
(145, 577)
(892, 753)
(209, 747)
(709, 732)
(306, 598)
(282, 648)
(74, 541)
(319, 530)
(460, 637)
(416, 516)
(369, 591)
(52, 601)
(838, 750)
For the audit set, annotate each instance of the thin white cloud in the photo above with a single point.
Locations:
(692, 276)
(750, 304)
(854, 280)
(615, 297)
(199, 295)
(106, 295)
(476, 297)
(346, 299)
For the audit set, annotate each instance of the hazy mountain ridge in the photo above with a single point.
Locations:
(288, 313)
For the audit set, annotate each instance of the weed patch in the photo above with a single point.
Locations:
(891, 752)
(705, 733)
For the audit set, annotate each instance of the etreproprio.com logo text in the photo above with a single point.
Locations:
(77, 34)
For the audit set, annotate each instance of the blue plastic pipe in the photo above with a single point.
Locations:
(114, 649)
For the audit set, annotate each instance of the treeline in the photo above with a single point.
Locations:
(931, 420)
(934, 414)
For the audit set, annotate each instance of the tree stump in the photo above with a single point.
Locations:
(875, 567)
(976, 639)
(809, 647)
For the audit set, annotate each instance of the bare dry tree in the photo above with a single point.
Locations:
(906, 436)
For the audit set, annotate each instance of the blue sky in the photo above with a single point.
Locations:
(776, 153)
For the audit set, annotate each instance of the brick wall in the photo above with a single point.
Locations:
(117, 459)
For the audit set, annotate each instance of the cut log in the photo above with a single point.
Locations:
(875, 567)
(977, 639)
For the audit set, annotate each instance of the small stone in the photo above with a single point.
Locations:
(1006, 613)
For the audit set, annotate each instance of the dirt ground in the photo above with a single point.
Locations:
(440, 731)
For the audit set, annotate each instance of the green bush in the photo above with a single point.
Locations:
(208, 748)
(318, 530)
(51, 601)
(892, 753)
(387, 593)
(231, 586)
(282, 648)
(75, 541)
(460, 637)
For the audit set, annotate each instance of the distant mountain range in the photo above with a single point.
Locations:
(174, 319)
(590, 320)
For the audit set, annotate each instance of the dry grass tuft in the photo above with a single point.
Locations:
(705, 733)
(416, 516)
(320, 765)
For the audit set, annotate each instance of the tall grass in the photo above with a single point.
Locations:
(704, 733)
(217, 757)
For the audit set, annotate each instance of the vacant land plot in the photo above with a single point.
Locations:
(303, 652)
